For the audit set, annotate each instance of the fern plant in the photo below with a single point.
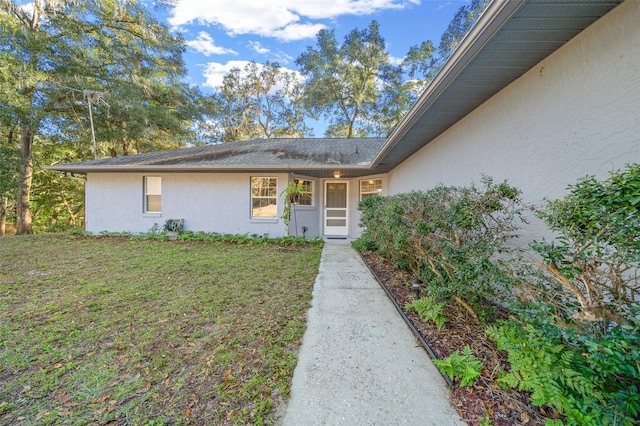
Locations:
(589, 381)
(428, 310)
(464, 366)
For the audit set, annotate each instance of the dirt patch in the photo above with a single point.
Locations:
(486, 399)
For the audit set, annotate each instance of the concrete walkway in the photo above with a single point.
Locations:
(359, 364)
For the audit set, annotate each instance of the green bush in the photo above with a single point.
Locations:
(593, 264)
(364, 243)
(575, 343)
(448, 236)
(241, 239)
(384, 228)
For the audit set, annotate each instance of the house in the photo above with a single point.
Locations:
(540, 92)
(232, 188)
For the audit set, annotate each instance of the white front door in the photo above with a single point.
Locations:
(335, 208)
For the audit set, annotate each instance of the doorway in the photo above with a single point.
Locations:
(335, 208)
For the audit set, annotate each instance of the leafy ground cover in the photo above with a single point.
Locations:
(106, 330)
(485, 402)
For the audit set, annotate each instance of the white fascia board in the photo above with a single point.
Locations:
(181, 169)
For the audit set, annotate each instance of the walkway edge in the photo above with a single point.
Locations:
(406, 319)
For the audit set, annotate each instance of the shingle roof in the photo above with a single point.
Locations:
(313, 156)
(509, 38)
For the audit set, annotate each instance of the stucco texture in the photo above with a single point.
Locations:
(207, 202)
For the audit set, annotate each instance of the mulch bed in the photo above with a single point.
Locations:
(486, 399)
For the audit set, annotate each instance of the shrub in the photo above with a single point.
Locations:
(594, 262)
(240, 239)
(364, 243)
(574, 339)
(448, 236)
(384, 228)
(575, 342)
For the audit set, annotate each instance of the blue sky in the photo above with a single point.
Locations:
(223, 34)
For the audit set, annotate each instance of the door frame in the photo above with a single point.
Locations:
(342, 231)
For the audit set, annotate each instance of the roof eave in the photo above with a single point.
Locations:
(494, 17)
(84, 169)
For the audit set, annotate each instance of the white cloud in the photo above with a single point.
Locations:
(214, 71)
(258, 48)
(28, 8)
(395, 60)
(205, 45)
(323, 9)
(297, 31)
(274, 18)
(236, 16)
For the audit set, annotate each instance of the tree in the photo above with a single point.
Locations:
(398, 90)
(136, 66)
(21, 44)
(401, 86)
(259, 101)
(58, 199)
(423, 62)
(464, 19)
(10, 161)
(60, 51)
(344, 80)
(421, 66)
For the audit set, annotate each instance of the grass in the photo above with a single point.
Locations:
(97, 330)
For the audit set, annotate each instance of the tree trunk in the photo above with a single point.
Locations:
(3, 216)
(23, 225)
(73, 214)
(4, 201)
(54, 216)
(125, 147)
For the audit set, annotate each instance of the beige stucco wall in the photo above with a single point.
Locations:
(207, 202)
(576, 113)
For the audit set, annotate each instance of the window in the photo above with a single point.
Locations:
(370, 187)
(264, 197)
(152, 194)
(306, 197)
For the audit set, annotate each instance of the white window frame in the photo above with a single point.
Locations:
(273, 196)
(152, 186)
(310, 193)
(371, 181)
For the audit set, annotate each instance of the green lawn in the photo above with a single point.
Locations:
(97, 330)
